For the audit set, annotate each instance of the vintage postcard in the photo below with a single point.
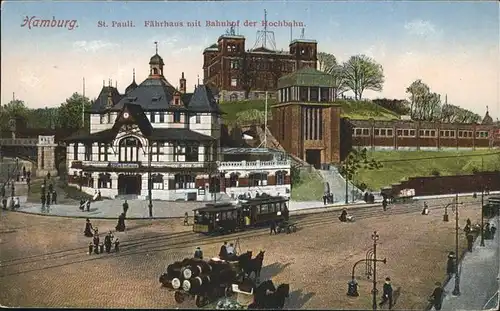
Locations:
(250, 154)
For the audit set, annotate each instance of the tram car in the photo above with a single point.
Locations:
(226, 217)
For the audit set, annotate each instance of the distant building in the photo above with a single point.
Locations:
(238, 72)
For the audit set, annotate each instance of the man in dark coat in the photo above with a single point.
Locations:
(125, 207)
(450, 265)
(42, 198)
(51, 187)
(273, 227)
(88, 229)
(493, 229)
(54, 197)
(437, 297)
(88, 206)
(387, 293)
(384, 204)
(120, 227)
(4, 203)
(47, 199)
(107, 242)
(198, 253)
(223, 251)
(470, 242)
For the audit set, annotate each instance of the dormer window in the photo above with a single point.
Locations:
(176, 101)
(177, 117)
(155, 98)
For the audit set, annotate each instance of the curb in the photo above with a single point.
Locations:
(305, 211)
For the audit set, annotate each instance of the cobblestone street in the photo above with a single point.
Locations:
(44, 260)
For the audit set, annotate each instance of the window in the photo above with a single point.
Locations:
(389, 133)
(153, 117)
(412, 133)
(75, 151)
(198, 118)
(192, 154)
(234, 64)
(280, 177)
(482, 134)
(103, 152)
(157, 180)
(366, 132)
(177, 101)
(358, 132)
(257, 179)
(156, 150)
(234, 82)
(177, 117)
(129, 149)
(101, 119)
(179, 153)
(162, 117)
(88, 152)
(233, 180)
(376, 132)
(383, 132)
(184, 181)
(104, 181)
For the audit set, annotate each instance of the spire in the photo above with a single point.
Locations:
(182, 76)
(156, 47)
(133, 75)
(103, 83)
(198, 79)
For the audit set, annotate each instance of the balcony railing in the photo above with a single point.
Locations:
(243, 165)
(254, 164)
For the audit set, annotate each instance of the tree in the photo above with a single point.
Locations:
(277, 70)
(70, 112)
(326, 61)
(399, 106)
(44, 118)
(424, 105)
(14, 109)
(355, 161)
(362, 73)
(340, 85)
(247, 74)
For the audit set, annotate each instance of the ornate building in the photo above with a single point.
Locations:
(239, 73)
(158, 133)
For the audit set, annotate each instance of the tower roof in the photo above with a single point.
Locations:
(487, 118)
(132, 85)
(307, 76)
(156, 60)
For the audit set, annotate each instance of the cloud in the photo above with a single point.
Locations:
(92, 46)
(28, 78)
(420, 27)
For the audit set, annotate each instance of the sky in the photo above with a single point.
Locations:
(451, 46)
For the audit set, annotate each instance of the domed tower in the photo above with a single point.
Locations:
(132, 85)
(487, 118)
(156, 64)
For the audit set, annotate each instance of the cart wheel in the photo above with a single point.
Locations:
(294, 229)
(200, 301)
(278, 230)
(228, 291)
(179, 297)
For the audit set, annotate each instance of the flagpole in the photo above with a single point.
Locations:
(83, 105)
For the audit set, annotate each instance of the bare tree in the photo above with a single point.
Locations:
(363, 73)
(339, 79)
(326, 61)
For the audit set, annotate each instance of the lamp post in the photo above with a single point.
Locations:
(81, 180)
(375, 238)
(482, 206)
(456, 290)
(150, 183)
(445, 216)
(346, 181)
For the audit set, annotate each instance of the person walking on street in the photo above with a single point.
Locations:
(436, 299)
(125, 207)
(450, 265)
(273, 227)
(198, 253)
(186, 219)
(470, 242)
(387, 293)
(384, 204)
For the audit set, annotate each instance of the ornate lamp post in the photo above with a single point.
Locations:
(375, 238)
(150, 183)
(456, 290)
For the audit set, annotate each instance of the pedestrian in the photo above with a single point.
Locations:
(47, 200)
(54, 197)
(117, 245)
(107, 242)
(223, 251)
(88, 205)
(125, 207)
(450, 265)
(24, 172)
(436, 299)
(51, 188)
(387, 293)
(186, 219)
(4, 203)
(470, 242)
(42, 198)
(198, 253)
(273, 227)
(384, 204)
(487, 231)
(325, 197)
(493, 229)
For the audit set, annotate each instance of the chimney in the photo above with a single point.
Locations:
(182, 83)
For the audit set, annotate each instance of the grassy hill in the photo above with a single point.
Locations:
(351, 109)
(399, 165)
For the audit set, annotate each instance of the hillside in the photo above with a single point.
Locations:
(398, 165)
(350, 109)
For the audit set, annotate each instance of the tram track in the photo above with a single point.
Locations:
(183, 240)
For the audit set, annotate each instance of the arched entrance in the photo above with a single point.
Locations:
(129, 184)
(129, 149)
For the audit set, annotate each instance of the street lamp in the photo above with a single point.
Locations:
(482, 205)
(456, 290)
(445, 216)
(375, 238)
(346, 163)
(150, 182)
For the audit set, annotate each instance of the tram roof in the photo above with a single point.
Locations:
(217, 207)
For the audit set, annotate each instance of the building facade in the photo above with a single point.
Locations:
(306, 122)
(159, 138)
(240, 73)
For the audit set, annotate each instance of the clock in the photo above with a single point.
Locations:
(126, 115)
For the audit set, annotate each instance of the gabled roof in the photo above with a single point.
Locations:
(203, 100)
(307, 76)
(101, 103)
(135, 116)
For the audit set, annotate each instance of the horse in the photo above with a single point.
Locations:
(273, 300)
(254, 265)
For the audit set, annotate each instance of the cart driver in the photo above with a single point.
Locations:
(230, 251)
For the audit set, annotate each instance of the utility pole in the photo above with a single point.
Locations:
(456, 290)
(482, 204)
(346, 181)
(83, 105)
(375, 238)
(150, 182)
(265, 125)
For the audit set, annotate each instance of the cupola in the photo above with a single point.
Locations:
(156, 64)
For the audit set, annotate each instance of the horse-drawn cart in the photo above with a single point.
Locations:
(286, 226)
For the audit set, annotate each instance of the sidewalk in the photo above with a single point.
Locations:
(138, 209)
(479, 272)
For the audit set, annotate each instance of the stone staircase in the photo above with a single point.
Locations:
(337, 185)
